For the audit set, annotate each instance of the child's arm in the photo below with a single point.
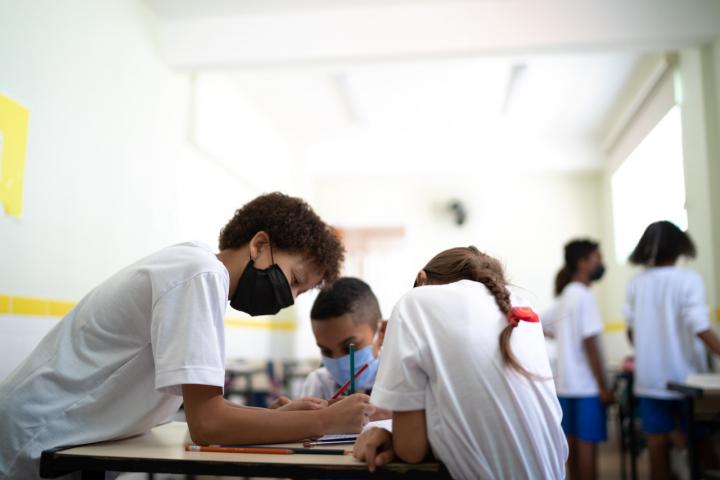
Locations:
(408, 441)
(710, 340)
(213, 420)
(593, 353)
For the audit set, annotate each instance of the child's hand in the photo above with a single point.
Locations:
(307, 403)
(607, 397)
(348, 415)
(375, 446)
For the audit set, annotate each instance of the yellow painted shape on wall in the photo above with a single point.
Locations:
(13, 130)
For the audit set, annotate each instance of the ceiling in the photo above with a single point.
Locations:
(396, 86)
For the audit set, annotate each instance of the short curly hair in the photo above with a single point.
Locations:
(293, 227)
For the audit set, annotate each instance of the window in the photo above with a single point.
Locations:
(650, 184)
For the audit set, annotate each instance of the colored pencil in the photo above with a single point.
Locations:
(347, 384)
(263, 450)
(352, 368)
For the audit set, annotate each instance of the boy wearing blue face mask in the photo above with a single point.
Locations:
(346, 312)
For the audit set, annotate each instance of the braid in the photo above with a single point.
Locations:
(469, 263)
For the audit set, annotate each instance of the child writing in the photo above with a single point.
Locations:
(466, 374)
(576, 325)
(668, 323)
(346, 312)
(152, 337)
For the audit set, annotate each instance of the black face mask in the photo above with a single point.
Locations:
(262, 292)
(598, 273)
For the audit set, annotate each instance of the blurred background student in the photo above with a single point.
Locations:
(668, 323)
(581, 385)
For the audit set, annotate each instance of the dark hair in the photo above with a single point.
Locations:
(292, 226)
(469, 263)
(347, 295)
(575, 250)
(662, 242)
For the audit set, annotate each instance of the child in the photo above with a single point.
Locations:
(576, 325)
(343, 313)
(668, 323)
(151, 338)
(466, 375)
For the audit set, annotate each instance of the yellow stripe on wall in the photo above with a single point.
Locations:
(43, 307)
(613, 327)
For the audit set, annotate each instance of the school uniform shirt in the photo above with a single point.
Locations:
(114, 366)
(484, 420)
(573, 319)
(666, 309)
(320, 383)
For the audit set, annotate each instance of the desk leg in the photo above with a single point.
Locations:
(92, 475)
(693, 457)
(631, 434)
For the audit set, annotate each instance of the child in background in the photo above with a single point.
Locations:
(668, 323)
(346, 312)
(467, 377)
(576, 325)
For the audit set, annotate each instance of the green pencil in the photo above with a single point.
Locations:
(352, 368)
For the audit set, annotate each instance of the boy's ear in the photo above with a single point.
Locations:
(380, 337)
(421, 279)
(258, 243)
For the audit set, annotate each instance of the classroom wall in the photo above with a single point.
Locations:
(110, 175)
(523, 219)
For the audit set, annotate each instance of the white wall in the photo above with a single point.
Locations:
(109, 174)
(523, 219)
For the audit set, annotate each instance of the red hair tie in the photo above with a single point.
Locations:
(525, 314)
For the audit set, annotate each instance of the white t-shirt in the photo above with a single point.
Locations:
(573, 319)
(484, 420)
(114, 366)
(665, 307)
(319, 383)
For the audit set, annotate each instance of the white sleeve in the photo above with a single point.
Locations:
(188, 334)
(314, 386)
(590, 322)
(401, 382)
(694, 311)
(629, 305)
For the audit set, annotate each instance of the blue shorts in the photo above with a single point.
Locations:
(584, 418)
(661, 415)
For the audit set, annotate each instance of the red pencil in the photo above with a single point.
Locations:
(347, 384)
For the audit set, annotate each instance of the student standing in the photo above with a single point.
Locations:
(581, 386)
(152, 337)
(467, 377)
(668, 322)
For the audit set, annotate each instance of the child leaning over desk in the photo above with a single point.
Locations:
(467, 376)
(151, 337)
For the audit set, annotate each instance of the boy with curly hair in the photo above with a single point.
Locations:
(151, 337)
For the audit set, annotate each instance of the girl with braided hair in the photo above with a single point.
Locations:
(466, 375)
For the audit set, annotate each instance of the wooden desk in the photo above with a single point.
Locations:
(702, 396)
(162, 450)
